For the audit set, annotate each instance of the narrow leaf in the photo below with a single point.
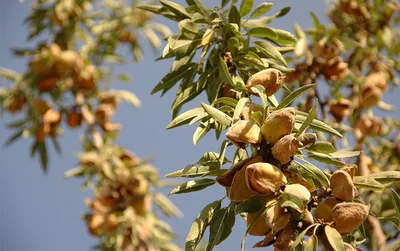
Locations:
(396, 202)
(294, 95)
(308, 121)
(200, 225)
(334, 238)
(270, 51)
(261, 9)
(246, 7)
(192, 186)
(166, 205)
(362, 182)
(224, 72)
(185, 117)
(238, 109)
(216, 114)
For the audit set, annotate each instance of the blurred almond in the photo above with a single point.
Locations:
(307, 139)
(370, 96)
(340, 109)
(142, 205)
(376, 79)
(47, 83)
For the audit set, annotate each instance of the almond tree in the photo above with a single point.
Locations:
(288, 172)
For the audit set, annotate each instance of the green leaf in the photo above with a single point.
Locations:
(198, 118)
(294, 95)
(238, 109)
(394, 246)
(190, 171)
(250, 205)
(234, 15)
(396, 202)
(14, 137)
(273, 101)
(249, 226)
(317, 124)
(216, 114)
(204, 10)
(245, 7)
(201, 131)
(317, 23)
(282, 12)
(334, 238)
(261, 9)
(386, 176)
(284, 37)
(189, 93)
(17, 123)
(395, 221)
(308, 121)
(226, 101)
(224, 72)
(292, 201)
(173, 77)
(322, 147)
(260, 90)
(324, 158)
(362, 182)
(263, 32)
(192, 186)
(319, 175)
(43, 156)
(175, 8)
(185, 117)
(312, 244)
(126, 96)
(299, 238)
(217, 227)
(200, 225)
(166, 205)
(270, 51)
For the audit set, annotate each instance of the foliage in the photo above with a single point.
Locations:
(285, 182)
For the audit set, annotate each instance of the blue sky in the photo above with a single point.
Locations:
(42, 212)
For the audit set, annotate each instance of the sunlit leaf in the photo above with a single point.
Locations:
(192, 186)
(261, 9)
(185, 117)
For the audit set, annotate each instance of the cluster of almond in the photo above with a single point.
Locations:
(358, 17)
(53, 65)
(264, 177)
(338, 211)
(371, 91)
(256, 177)
(121, 201)
(324, 60)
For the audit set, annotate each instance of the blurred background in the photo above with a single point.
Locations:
(42, 212)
